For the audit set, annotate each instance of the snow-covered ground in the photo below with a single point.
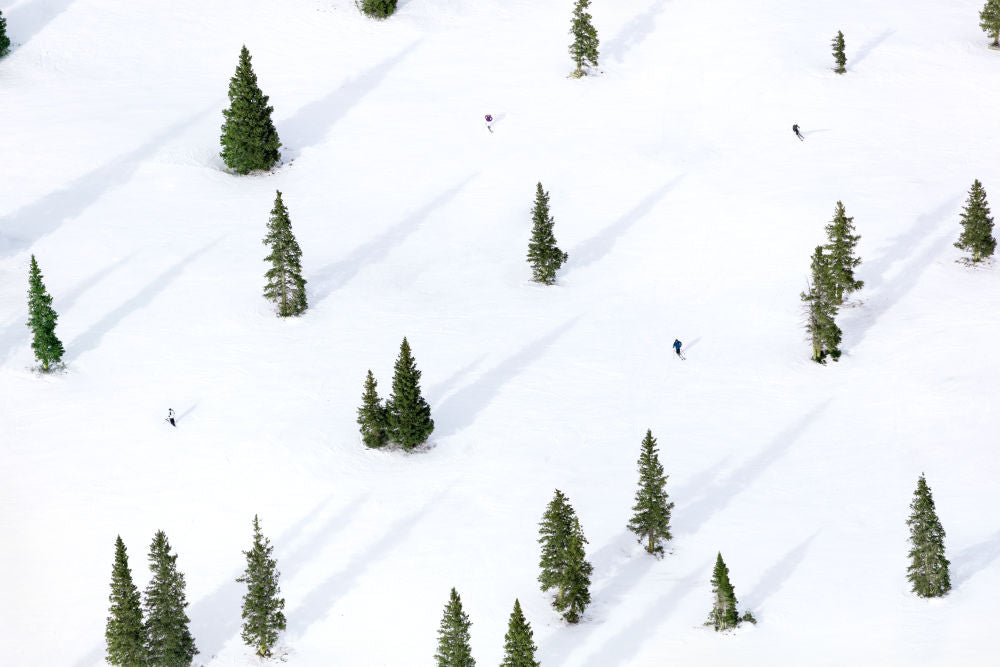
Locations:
(688, 210)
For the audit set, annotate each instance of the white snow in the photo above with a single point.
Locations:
(688, 209)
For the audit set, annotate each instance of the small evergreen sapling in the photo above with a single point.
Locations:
(724, 614)
(839, 56)
(989, 21)
(583, 49)
(453, 636)
(409, 416)
(124, 634)
(378, 9)
(977, 225)
(285, 285)
(928, 570)
(544, 255)
(563, 561)
(651, 513)
(249, 140)
(372, 415)
(519, 647)
(821, 310)
(42, 321)
(170, 640)
(840, 252)
(4, 39)
(263, 617)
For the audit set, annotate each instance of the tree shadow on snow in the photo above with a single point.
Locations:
(27, 19)
(634, 32)
(870, 46)
(978, 557)
(775, 577)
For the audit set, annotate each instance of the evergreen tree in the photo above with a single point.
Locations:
(544, 255)
(249, 140)
(821, 310)
(842, 242)
(372, 415)
(453, 636)
(839, 56)
(989, 21)
(124, 634)
(977, 225)
(583, 50)
(378, 9)
(563, 561)
(263, 618)
(4, 39)
(928, 571)
(576, 577)
(42, 320)
(651, 513)
(285, 285)
(409, 416)
(519, 647)
(723, 615)
(170, 640)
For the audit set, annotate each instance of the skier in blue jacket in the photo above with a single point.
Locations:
(677, 347)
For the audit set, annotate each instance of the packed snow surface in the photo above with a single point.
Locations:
(689, 210)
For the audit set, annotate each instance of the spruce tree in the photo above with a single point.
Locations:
(42, 320)
(124, 634)
(821, 310)
(977, 225)
(839, 56)
(4, 39)
(285, 285)
(372, 415)
(249, 140)
(263, 618)
(928, 570)
(378, 9)
(576, 577)
(583, 49)
(651, 513)
(409, 416)
(544, 255)
(989, 21)
(170, 640)
(724, 615)
(519, 647)
(453, 636)
(840, 251)
(563, 561)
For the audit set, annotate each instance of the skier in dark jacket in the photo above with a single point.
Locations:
(677, 347)
(170, 417)
(795, 129)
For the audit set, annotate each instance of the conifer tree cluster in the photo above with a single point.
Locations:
(583, 49)
(821, 309)
(563, 562)
(406, 417)
(378, 9)
(285, 285)
(977, 225)
(453, 636)
(544, 255)
(724, 614)
(928, 570)
(263, 617)
(989, 21)
(839, 57)
(4, 39)
(42, 321)
(651, 513)
(169, 641)
(249, 139)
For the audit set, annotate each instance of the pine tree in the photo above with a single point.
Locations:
(124, 634)
(977, 225)
(563, 562)
(928, 571)
(724, 614)
(285, 285)
(4, 39)
(249, 140)
(583, 50)
(42, 320)
(409, 416)
(372, 415)
(544, 255)
(821, 310)
(842, 242)
(989, 21)
(519, 647)
(170, 640)
(263, 618)
(651, 518)
(453, 636)
(576, 577)
(839, 56)
(378, 9)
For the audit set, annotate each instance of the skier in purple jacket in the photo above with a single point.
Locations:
(489, 123)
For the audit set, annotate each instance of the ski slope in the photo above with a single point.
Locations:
(688, 209)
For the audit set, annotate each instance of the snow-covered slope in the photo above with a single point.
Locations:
(688, 210)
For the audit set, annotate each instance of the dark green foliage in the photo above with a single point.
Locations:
(453, 636)
(519, 647)
(170, 640)
(583, 49)
(724, 615)
(372, 415)
(42, 320)
(124, 634)
(544, 255)
(977, 225)
(840, 251)
(409, 416)
(249, 140)
(285, 285)
(263, 618)
(928, 570)
(821, 310)
(4, 39)
(989, 20)
(651, 512)
(839, 56)
(563, 560)
(378, 9)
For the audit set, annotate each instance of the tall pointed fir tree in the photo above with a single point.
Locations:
(453, 636)
(124, 635)
(409, 416)
(821, 310)
(170, 640)
(372, 415)
(263, 617)
(928, 570)
(989, 21)
(840, 251)
(544, 255)
(977, 225)
(651, 513)
(249, 140)
(42, 320)
(519, 646)
(839, 56)
(378, 9)
(285, 285)
(563, 562)
(724, 614)
(583, 49)
(4, 39)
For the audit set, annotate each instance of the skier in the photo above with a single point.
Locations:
(677, 348)
(170, 417)
(489, 123)
(795, 129)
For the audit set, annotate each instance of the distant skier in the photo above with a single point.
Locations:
(170, 417)
(677, 348)
(795, 129)
(489, 123)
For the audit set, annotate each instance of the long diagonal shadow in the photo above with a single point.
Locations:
(27, 19)
(978, 557)
(776, 575)
(634, 32)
